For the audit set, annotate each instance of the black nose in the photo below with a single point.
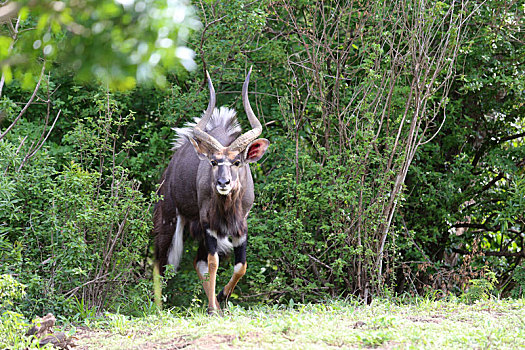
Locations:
(223, 182)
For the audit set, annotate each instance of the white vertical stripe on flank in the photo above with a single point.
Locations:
(176, 247)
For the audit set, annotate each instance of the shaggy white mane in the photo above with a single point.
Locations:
(224, 117)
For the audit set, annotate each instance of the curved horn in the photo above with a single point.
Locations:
(198, 130)
(244, 140)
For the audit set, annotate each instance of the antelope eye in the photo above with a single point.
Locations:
(213, 163)
(237, 163)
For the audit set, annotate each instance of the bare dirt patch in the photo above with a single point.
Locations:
(100, 339)
(85, 335)
(431, 319)
(215, 341)
(175, 343)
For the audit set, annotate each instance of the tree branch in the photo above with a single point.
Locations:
(27, 104)
(509, 254)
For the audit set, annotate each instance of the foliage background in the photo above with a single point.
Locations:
(371, 186)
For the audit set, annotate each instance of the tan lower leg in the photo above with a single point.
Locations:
(238, 271)
(213, 265)
(207, 273)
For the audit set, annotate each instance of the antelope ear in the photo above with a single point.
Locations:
(202, 151)
(256, 150)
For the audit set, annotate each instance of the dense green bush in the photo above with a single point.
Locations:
(467, 188)
(76, 227)
(301, 241)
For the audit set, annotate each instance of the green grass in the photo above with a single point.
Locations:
(422, 324)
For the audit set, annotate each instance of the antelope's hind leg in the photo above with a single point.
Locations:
(163, 230)
(239, 250)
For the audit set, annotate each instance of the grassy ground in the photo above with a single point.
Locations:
(424, 324)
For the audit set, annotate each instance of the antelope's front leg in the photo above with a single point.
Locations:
(239, 250)
(209, 268)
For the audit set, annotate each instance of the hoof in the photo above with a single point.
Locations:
(221, 297)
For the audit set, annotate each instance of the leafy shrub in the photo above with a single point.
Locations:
(78, 229)
(468, 184)
(480, 288)
(303, 234)
(10, 291)
(13, 327)
(519, 279)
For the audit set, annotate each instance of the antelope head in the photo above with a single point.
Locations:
(226, 162)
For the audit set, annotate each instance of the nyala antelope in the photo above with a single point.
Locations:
(208, 189)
